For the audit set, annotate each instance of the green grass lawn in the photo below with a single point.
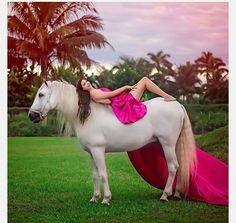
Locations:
(49, 180)
(215, 142)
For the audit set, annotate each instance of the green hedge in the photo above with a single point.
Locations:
(205, 118)
(20, 125)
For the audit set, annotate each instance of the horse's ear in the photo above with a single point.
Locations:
(62, 80)
(45, 82)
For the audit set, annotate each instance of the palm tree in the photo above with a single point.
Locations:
(140, 65)
(208, 65)
(126, 62)
(46, 32)
(187, 81)
(162, 69)
(216, 74)
(131, 70)
(160, 61)
(217, 87)
(104, 79)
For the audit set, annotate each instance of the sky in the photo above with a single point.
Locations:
(183, 30)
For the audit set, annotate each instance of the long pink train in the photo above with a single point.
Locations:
(209, 185)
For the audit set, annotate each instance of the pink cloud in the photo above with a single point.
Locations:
(183, 30)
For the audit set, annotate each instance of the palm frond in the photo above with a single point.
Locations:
(19, 28)
(74, 57)
(28, 49)
(88, 22)
(23, 11)
(89, 39)
(63, 14)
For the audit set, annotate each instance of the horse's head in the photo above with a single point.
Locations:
(43, 102)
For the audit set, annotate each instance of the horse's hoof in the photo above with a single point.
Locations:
(105, 201)
(177, 195)
(164, 198)
(94, 199)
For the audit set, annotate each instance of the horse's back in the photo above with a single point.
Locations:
(159, 106)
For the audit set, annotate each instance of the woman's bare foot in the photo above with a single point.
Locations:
(169, 98)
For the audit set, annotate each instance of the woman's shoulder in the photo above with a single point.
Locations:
(95, 93)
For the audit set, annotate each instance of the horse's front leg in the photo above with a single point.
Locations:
(96, 183)
(98, 155)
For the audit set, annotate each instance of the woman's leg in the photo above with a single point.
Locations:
(146, 83)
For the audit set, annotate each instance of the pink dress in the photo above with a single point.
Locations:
(126, 108)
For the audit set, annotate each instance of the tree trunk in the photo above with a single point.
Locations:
(44, 69)
(43, 78)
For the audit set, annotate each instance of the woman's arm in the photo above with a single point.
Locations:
(98, 94)
(104, 101)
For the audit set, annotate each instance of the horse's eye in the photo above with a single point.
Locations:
(41, 95)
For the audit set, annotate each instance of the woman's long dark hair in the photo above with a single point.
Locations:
(84, 99)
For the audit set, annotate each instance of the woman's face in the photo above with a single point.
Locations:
(85, 85)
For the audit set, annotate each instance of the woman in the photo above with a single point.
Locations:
(127, 106)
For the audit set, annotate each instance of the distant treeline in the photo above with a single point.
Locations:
(182, 81)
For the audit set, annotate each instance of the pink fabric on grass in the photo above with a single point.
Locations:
(210, 183)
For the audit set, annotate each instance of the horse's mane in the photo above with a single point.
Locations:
(67, 109)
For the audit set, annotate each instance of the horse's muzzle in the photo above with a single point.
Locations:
(34, 117)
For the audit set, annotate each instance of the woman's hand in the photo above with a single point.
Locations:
(97, 94)
(128, 87)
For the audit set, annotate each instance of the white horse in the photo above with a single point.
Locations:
(103, 132)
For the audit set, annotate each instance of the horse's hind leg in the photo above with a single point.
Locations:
(178, 188)
(172, 164)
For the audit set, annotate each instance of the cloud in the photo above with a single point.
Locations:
(183, 30)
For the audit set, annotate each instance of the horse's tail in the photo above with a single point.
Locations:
(186, 154)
